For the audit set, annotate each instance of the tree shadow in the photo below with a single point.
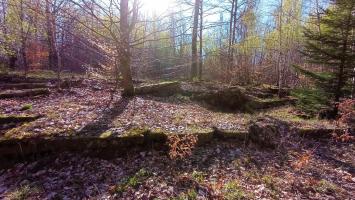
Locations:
(326, 155)
(103, 123)
(180, 99)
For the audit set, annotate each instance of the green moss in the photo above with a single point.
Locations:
(269, 182)
(285, 114)
(22, 193)
(46, 74)
(136, 132)
(251, 175)
(197, 176)
(203, 134)
(133, 181)
(191, 194)
(106, 134)
(178, 117)
(233, 134)
(233, 191)
(325, 186)
(26, 107)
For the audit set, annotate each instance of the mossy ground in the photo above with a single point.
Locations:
(43, 74)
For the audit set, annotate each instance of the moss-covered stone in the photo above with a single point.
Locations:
(106, 134)
(204, 135)
(231, 134)
(23, 93)
(257, 103)
(155, 135)
(267, 131)
(231, 98)
(4, 119)
(317, 133)
(159, 89)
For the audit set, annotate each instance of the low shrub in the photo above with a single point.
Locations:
(311, 100)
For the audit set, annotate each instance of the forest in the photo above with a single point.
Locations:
(177, 99)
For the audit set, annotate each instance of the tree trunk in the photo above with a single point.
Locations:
(234, 29)
(60, 61)
(51, 35)
(12, 60)
(194, 41)
(230, 56)
(201, 42)
(124, 51)
(23, 39)
(279, 70)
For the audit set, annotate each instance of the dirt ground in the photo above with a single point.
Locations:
(218, 170)
(300, 169)
(91, 111)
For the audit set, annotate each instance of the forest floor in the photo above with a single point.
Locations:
(219, 170)
(301, 168)
(69, 112)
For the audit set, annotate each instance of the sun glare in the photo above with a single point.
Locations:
(157, 6)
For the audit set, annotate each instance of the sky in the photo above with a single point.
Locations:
(158, 6)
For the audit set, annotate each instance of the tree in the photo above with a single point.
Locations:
(194, 63)
(279, 70)
(125, 59)
(333, 48)
(201, 41)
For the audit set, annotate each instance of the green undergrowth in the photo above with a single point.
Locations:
(190, 194)
(233, 191)
(22, 193)
(311, 100)
(133, 181)
(324, 186)
(286, 114)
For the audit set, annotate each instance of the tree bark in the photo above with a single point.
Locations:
(23, 39)
(194, 41)
(201, 41)
(125, 60)
(279, 70)
(51, 35)
(234, 30)
(230, 37)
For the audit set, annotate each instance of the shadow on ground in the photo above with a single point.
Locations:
(103, 123)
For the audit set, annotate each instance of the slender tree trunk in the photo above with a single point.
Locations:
(234, 30)
(353, 85)
(51, 35)
(125, 59)
(279, 70)
(194, 62)
(12, 56)
(23, 39)
(230, 56)
(12, 60)
(201, 41)
(60, 61)
(318, 17)
(173, 34)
